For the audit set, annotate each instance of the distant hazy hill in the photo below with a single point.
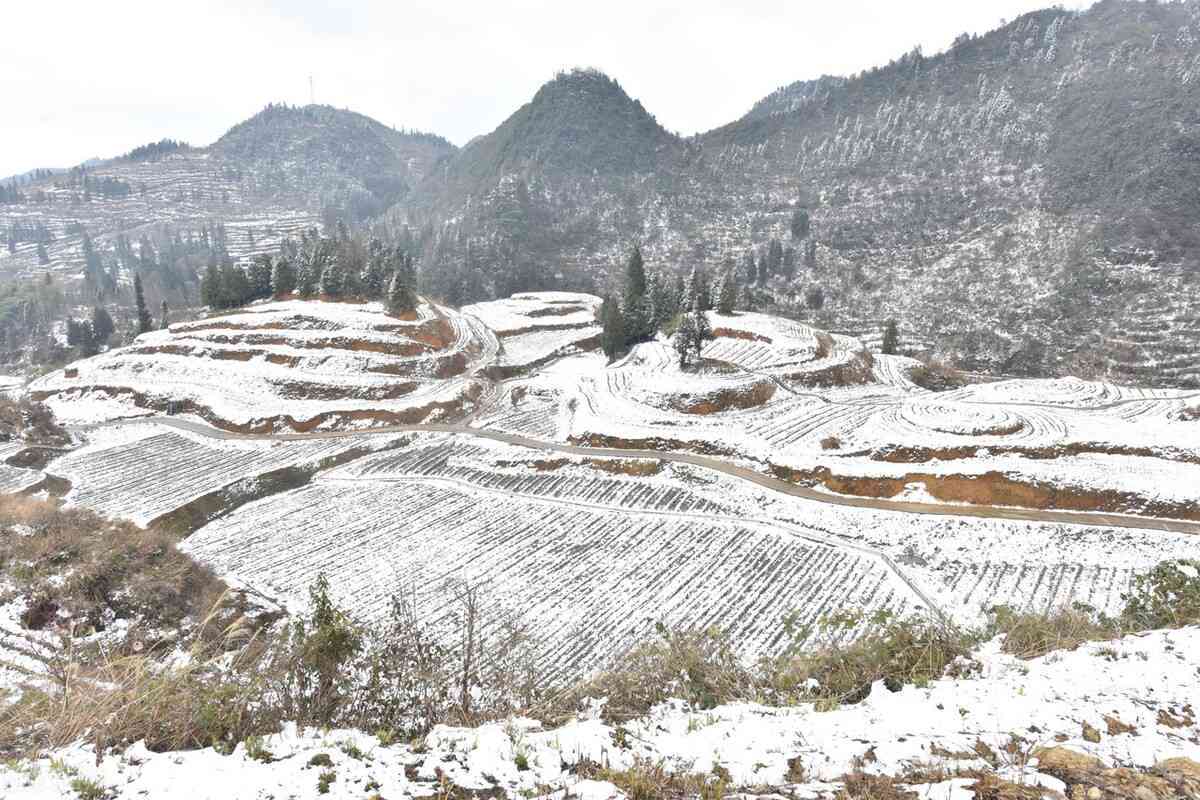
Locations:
(318, 147)
(283, 169)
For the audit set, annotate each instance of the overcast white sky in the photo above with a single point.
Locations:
(83, 78)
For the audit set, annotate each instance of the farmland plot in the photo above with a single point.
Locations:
(159, 470)
(286, 365)
(15, 479)
(587, 581)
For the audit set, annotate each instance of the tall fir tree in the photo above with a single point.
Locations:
(685, 339)
(259, 275)
(727, 296)
(144, 323)
(891, 338)
(800, 224)
(102, 325)
(401, 296)
(612, 336)
(636, 308)
(283, 277)
(635, 275)
(210, 287)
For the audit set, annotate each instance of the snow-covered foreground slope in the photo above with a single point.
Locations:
(590, 562)
(1134, 698)
(591, 553)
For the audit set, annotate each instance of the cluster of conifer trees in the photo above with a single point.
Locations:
(652, 303)
(328, 267)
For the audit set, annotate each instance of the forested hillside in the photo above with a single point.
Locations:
(1021, 203)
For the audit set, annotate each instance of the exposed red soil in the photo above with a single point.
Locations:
(655, 443)
(854, 372)
(286, 423)
(908, 454)
(745, 397)
(991, 489)
(734, 333)
(557, 311)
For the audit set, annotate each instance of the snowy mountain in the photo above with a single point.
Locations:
(284, 169)
(1020, 203)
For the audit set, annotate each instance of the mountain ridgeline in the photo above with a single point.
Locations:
(1023, 203)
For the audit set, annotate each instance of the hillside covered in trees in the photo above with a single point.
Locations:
(1021, 203)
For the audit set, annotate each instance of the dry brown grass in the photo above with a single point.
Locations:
(78, 571)
(860, 785)
(650, 780)
(896, 651)
(30, 422)
(1029, 635)
(937, 377)
(700, 667)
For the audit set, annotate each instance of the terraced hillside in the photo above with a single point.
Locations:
(282, 366)
(589, 565)
(792, 473)
(822, 411)
(284, 170)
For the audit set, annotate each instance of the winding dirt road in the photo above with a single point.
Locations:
(1094, 519)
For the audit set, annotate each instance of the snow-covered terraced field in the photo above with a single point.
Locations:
(1117, 443)
(15, 479)
(142, 472)
(538, 326)
(588, 580)
(531, 311)
(281, 365)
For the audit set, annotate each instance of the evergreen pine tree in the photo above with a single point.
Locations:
(102, 325)
(703, 329)
(800, 224)
(259, 276)
(663, 300)
(210, 287)
(612, 337)
(891, 338)
(703, 291)
(635, 275)
(145, 324)
(685, 339)
(727, 296)
(235, 286)
(749, 268)
(283, 277)
(774, 257)
(401, 297)
(374, 275)
(331, 283)
(636, 309)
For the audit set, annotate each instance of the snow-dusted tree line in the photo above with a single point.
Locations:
(317, 266)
